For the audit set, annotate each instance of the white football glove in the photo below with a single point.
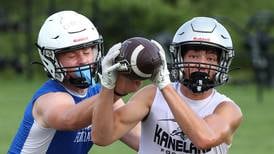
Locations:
(161, 79)
(109, 68)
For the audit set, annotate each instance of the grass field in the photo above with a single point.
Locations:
(255, 135)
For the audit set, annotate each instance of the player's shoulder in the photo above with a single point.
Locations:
(48, 87)
(226, 104)
(54, 98)
(229, 104)
(230, 110)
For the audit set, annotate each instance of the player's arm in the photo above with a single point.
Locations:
(58, 110)
(110, 125)
(107, 126)
(205, 132)
(132, 137)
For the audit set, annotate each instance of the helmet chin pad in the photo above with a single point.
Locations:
(198, 82)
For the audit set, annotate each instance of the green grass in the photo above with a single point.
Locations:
(14, 96)
(255, 135)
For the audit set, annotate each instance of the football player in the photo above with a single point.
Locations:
(187, 116)
(58, 117)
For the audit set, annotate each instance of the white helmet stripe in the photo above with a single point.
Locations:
(133, 61)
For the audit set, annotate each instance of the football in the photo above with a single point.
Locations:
(140, 58)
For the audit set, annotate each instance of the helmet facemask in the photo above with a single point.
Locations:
(83, 76)
(206, 75)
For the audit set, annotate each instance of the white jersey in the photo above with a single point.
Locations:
(162, 135)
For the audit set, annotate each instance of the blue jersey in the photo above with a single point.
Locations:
(33, 138)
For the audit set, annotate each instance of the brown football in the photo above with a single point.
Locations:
(140, 57)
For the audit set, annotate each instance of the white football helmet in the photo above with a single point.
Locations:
(67, 31)
(205, 33)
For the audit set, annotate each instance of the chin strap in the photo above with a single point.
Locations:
(199, 82)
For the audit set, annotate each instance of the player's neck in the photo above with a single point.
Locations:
(74, 89)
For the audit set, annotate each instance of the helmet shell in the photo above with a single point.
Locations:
(65, 29)
(203, 30)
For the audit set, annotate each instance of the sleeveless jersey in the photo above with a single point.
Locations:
(33, 138)
(162, 135)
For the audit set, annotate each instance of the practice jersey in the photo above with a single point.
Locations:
(161, 133)
(35, 139)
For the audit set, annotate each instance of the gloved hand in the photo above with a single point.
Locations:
(109, 68)
(161, 79)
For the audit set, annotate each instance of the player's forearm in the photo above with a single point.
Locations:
(194, 126)
(102, 122)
